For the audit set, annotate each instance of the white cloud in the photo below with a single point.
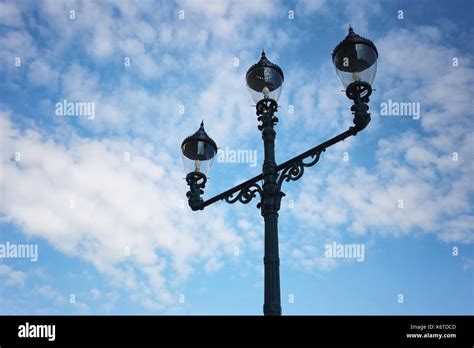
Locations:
(40, 73)
(52, 294)
(308, 7)
(15, 44)
(95, 293)
(12, 277)
(80, 84)
(417, 169)
(358, 14)
(109, 32)
(308, 257)
(10, 15)
(116, 205)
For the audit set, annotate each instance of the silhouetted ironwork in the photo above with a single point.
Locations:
(355, 61)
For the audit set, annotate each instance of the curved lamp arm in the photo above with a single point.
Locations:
(291, 170)
(246, 191)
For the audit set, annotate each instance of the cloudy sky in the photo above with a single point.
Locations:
(102, 195)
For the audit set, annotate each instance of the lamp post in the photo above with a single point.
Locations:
(355, 59)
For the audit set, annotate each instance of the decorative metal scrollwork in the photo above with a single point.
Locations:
(197, 183)
(296, 170)
(359, 92)
(266, 109)
(266, 105)
(245, 195)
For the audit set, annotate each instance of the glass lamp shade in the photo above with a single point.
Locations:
(355, 59)
(264, 80)
(198, 152)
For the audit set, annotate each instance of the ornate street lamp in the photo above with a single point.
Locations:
(355, 59)
(264, 79)
(198, 155)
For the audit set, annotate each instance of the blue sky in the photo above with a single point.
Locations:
(103, 197)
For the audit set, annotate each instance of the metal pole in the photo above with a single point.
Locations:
(270, 206)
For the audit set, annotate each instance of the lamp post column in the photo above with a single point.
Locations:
(270, 205)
